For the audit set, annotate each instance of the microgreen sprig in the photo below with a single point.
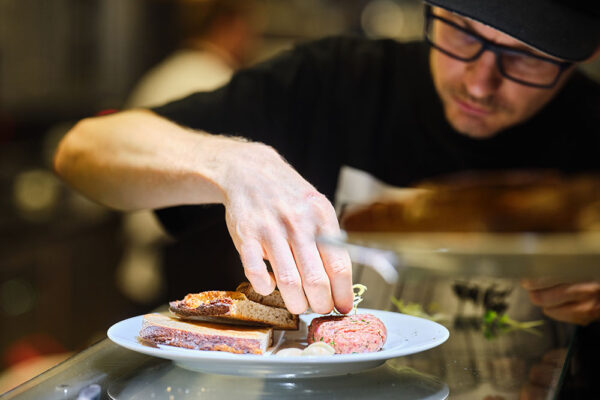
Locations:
(358, 291)
(495, 324)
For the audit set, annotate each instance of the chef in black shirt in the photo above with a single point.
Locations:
(493, 86)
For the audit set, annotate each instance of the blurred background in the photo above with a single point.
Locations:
(70, 268)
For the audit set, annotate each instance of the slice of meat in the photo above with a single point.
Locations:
(347, 334)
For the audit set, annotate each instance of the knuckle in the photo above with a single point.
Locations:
(320, 203)
(315, 280)
(293, 220)
(317, 198)
(254, 270)
(247, 250)
(268, 230)
(243, 230)
(288, 280)
(340, 268)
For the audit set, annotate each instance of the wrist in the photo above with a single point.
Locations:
(221, 163)
(236, 164)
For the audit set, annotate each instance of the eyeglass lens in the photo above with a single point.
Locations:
(514, 65)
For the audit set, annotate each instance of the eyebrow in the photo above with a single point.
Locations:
(519, 46)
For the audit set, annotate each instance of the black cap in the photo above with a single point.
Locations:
(565, 29)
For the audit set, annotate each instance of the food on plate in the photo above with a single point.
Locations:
(274, 299)
(232, 308)
(161, 329)
(289, 352)
(318, 349)
(315, 349)
(214, 320)
(502, 201)
(347, 334)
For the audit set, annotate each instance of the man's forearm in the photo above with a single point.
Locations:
(136, 159)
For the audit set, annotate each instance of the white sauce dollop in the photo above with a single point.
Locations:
(318, 349)
(289, 352)
(315, 349)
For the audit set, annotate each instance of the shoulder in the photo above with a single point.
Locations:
(581, 95)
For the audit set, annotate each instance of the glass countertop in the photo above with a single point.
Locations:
(468, 366)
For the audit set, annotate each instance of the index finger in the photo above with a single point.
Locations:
(339, 270)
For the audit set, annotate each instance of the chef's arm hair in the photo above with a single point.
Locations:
(137, 160)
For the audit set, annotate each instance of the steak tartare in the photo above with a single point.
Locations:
(347, 334)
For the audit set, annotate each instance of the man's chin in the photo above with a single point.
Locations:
(474, 128)
(476, 133)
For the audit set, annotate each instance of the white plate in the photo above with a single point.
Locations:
(406, 335)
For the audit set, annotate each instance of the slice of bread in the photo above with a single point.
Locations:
(162, 329)
(274, 299)
(232, 308)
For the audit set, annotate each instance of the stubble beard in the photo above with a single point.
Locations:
(477, 127)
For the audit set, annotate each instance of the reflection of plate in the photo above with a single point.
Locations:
(165, 380)
(406, 335)
(569, 255)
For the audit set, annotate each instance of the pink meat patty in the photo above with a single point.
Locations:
(347, 334)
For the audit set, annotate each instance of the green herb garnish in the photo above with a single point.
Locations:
(495, 324)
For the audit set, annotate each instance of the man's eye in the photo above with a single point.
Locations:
(460, 38)
(523, 61)
(466, 38)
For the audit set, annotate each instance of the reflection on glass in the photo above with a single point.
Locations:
(165, 380)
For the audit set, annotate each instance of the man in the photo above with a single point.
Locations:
(495, 89)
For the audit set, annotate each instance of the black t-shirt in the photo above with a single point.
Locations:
(371, 105)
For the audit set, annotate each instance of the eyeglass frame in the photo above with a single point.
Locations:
(495, 48)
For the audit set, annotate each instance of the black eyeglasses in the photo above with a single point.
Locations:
(517, 65)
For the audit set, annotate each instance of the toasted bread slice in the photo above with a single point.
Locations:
(274, 299)
(162, 329)
(232, 308)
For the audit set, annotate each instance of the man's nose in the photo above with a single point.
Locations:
(482, 77)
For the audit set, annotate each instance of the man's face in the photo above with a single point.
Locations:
(478, 101)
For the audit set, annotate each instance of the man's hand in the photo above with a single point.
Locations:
(576, 303)
(272, 213)
(136, 160)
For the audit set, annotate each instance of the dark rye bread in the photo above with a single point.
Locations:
(232, 308)
(161, 329)
(274, 299)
